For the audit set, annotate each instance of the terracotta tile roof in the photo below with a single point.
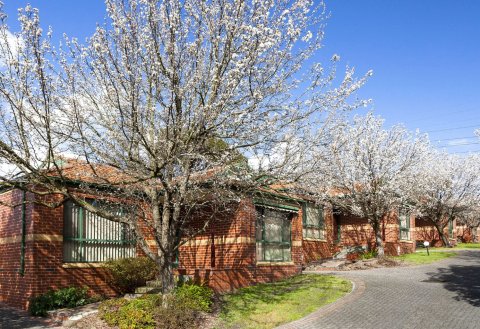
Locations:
(82, 171)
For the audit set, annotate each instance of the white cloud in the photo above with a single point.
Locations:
(9, 45)
(458, 142)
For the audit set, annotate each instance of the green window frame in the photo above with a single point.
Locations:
(450, 228)
(313, 221)
(404, 225)
(273, 235)
(88, 237)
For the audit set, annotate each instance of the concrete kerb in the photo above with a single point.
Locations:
(358, 288)
(67, 317)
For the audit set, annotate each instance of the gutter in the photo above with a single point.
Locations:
(24, 229)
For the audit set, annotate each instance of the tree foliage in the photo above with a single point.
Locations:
(447, 189)
(137, 114)
(368, 170)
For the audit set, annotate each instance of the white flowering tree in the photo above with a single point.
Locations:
(367, 169)
(471, 220)
(172, 97)
(448, 188)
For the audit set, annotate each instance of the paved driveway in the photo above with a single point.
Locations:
(14, 319)
(445, 294)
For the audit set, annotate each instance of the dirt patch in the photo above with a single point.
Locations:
(370, 263)
(350, 265)
(91, 321)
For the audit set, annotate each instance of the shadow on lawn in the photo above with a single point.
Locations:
(464, 280)
(246, 299)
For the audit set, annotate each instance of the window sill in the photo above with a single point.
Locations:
(83, 265)
(275, 263)
(313, 239)
(407, 241)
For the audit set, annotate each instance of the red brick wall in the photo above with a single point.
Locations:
(15, 289)
(224, 256)
(391, 233)
(51, 271)
(222, 280)
(426, 231)
(228, 242)
(314, 250)
(356, 231)
(233, 263)
(44, 268)
(466, 234)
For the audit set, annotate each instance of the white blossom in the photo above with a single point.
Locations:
(167, 93)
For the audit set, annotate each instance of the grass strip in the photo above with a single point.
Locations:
(421, 257)
(469, 245)
(269, 305)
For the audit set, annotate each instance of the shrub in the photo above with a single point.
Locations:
(130, 273)
(62, 298)
(136, 313)
(178, 314)
(369, 254)
(108, 310)
(180, 310)
(198, 298)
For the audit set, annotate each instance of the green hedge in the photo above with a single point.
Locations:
(62, 298)
(130, 273)
(198, 298)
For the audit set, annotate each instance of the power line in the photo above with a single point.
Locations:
(452, 139)
(449, 129)
(463, 144)
(436, 122)
(463, 152)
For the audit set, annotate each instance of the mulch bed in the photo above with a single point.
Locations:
(350, 265)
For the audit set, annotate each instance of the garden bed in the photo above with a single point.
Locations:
(263, 306)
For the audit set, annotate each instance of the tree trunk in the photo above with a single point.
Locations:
(474, 234)
(442, 236)
(166, 276)
(379, 242)
(378, 238)
(445, 241)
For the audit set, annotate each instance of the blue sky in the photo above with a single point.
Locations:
(426, 61)
(425, 56)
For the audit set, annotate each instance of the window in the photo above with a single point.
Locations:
(313, 222)
(273, 235)
(404, 223)
(90, 238)
(450, 228)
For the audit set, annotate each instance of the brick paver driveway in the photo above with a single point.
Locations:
(445, 294)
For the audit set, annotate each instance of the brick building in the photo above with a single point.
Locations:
(467, 234)
(32, 260)
(49, 248)
(426, 231)
(261, 239)
(401, 233)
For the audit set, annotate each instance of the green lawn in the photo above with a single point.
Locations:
(421, 257)
(268, 305)
(458, 246)
(469, 245)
